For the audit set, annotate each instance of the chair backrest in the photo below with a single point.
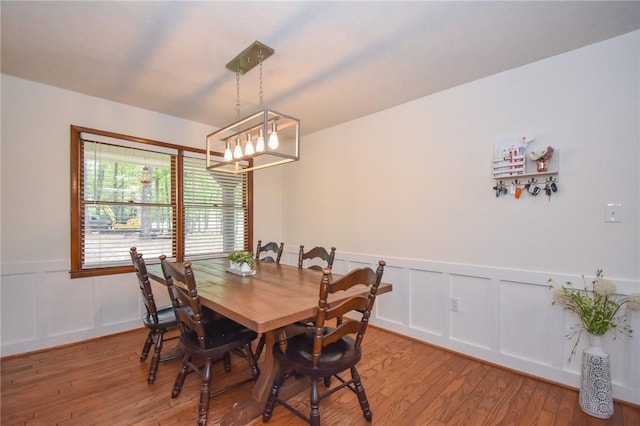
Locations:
(145, 285)
(317, 252)
(356, 305)
(185, 299)
(271, 247)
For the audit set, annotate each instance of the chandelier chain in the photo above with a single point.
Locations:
(238, 91)
(260, 93)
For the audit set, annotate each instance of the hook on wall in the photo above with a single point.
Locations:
(516, 188)
(550, 186)
(500, 188)
(532, 187)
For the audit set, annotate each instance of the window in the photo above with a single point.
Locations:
(158, 197)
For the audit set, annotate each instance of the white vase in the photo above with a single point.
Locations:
(595, 390)
(245, 267)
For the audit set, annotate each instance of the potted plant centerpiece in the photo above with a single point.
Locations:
(240, 261)
(600, 309)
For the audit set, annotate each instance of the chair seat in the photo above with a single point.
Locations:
(166, 318)
(335, 357)
(221, 335)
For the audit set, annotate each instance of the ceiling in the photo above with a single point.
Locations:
(333, 61)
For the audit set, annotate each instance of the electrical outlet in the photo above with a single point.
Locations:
(454, 304)
(613, 213)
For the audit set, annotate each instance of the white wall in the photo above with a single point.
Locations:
(412, 185)
(431, 213)
(417, 177)
(40, 305)
(267, 199)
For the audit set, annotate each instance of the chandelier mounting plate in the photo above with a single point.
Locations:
(249, 57)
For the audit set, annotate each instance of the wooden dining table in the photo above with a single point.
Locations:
(275, 297)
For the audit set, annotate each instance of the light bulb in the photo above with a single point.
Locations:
(260, 142)
(273, 138)
(248, 148)
(228, 156)
(237, 151)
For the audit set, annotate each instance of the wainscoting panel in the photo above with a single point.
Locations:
(392, 306)
(42, 307)
(19, 320)
(120, 299)
(504, 316)
(427, 287)
(69, 304)
(525, 321)
(472, 323)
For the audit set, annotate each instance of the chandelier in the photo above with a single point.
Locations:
(263, 139)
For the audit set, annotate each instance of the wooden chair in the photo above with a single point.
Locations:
(271, 247)
(158, 320)
(204, 340)
(317, 252)
(320, 351)
(320, 253)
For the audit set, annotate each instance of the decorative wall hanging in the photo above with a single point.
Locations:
(512, 159)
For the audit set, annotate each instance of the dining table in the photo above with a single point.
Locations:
(268, 300)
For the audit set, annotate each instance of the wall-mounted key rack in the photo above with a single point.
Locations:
(513, 163)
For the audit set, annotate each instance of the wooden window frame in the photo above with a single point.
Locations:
(76, 270)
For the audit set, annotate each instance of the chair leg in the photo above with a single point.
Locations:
(226, 358)
(327, 382)
(314, 401)
(362, 397)
(273, 395)
(155, 360)
(253, 361)
(147, 346)
(204, 393)
(182, 374)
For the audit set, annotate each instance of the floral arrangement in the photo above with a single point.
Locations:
(598, 307)
(241, 257)
(544, 155)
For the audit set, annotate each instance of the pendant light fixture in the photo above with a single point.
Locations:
(225, 150)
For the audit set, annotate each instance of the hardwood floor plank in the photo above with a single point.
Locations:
(524, 409)
(568, 403)
(630, 416)
(462, 403)
(102, 382)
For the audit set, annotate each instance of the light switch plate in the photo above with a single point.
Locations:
(613, 213)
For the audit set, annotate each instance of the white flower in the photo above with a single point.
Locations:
(558, 296)
(604, 288)
(633, 303)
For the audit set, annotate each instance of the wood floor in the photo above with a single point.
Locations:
(102, 382)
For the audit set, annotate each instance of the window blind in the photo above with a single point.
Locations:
(157, 197)
(215, 210)
(126, 201)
